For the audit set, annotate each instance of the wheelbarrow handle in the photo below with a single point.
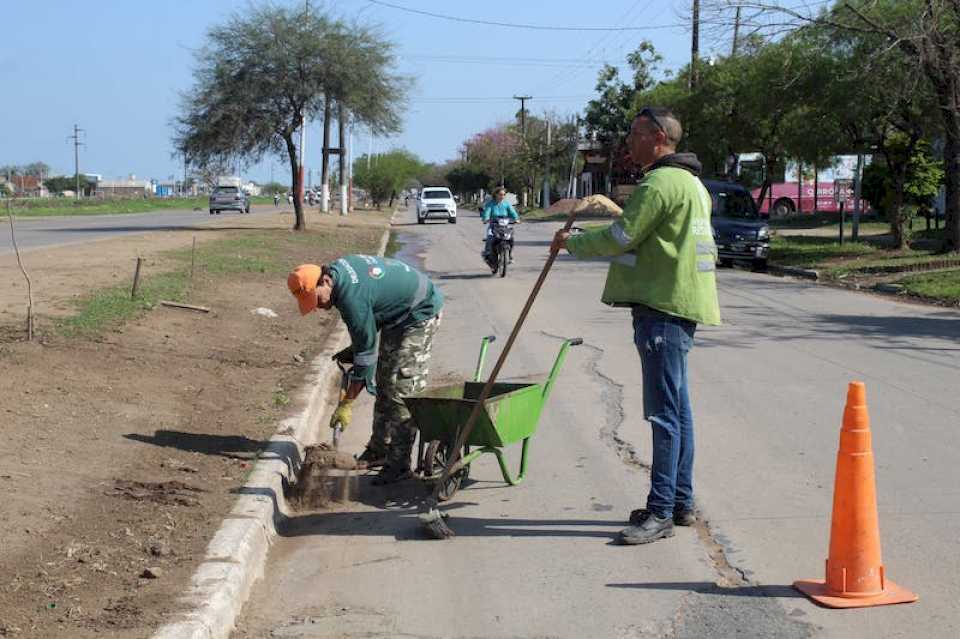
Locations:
(558, 364)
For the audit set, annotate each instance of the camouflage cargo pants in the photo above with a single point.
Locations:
(402, 367)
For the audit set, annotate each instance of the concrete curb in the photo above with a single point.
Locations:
(238, 552)
(793, 271)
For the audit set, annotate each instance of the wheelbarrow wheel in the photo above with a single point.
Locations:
(436, 458)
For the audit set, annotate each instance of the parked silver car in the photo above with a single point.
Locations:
(229, 198)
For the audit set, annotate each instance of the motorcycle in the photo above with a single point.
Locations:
(501, 246)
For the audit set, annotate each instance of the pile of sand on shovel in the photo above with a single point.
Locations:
(326, 475)
(590, 206)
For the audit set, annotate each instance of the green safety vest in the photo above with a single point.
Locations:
(664, 256)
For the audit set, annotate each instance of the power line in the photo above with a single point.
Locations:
(497, 98)
(536, 27)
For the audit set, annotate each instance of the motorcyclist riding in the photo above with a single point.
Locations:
(496, 208)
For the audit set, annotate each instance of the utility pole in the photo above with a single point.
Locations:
(736, 32)
(523, 135)
(350, 169)
(523, 114)
(695, 46)
(325, 165)
(342, 121)
(545, 201)
(76, 137)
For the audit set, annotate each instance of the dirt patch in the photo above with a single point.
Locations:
(123, 450)
(168, 493)
(326, 475)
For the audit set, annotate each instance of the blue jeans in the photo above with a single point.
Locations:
(663, 342)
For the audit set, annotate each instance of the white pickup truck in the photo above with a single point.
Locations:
(436, 200)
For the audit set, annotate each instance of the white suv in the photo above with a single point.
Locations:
(436, 200)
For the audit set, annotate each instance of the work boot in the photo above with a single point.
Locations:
(372, 458)
(650, 528)
(684, 517)
(680, 517)
(391, 475)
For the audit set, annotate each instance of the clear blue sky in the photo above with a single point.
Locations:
(115, 68)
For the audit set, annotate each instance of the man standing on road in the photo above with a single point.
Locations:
(376, 294)
(664, 269)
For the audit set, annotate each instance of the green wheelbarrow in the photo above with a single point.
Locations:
(509, 415)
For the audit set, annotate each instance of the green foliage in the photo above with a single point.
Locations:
(907, 177)
(387, 174)
(274, 187)
(46, 207)
(465, 178)
(810, 251)
(62, 183)
(609, 115)
(943, 286)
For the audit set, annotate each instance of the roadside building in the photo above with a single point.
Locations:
(129, 187)
(27, 186)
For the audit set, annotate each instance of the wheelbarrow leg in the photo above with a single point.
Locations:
(507, 477)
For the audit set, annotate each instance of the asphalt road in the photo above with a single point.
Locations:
(537, 560)
(47, 232)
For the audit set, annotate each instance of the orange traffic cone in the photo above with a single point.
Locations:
(855, 575)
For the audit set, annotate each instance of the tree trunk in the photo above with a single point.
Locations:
(896, 215)
(300, 223)
(951, 161)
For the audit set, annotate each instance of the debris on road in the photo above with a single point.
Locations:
(264, 312)
(189, 307)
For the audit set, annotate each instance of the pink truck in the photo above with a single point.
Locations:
(784, 198)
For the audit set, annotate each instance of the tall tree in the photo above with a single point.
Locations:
(928, 32)
(266, 71)
(384, 179)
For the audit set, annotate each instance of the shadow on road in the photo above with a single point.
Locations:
(397, 517)
(707, 588)
(471, 275)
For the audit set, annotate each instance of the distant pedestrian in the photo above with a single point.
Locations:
(386, 296)
(664, 269)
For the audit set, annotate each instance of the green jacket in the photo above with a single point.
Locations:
(663, 252)
(374, 293)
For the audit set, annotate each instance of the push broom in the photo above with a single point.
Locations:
(431, 518)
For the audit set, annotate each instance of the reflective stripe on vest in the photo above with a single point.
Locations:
(620, 234)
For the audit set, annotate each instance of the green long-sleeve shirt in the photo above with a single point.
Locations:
(662, 248)
(374, 293)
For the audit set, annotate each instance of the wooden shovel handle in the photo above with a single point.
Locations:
(485, 393)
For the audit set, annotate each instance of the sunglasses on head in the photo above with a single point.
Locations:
(647, 112)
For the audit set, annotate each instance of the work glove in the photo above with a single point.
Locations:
(342, 415)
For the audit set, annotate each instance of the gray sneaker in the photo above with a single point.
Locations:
(650, 528)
